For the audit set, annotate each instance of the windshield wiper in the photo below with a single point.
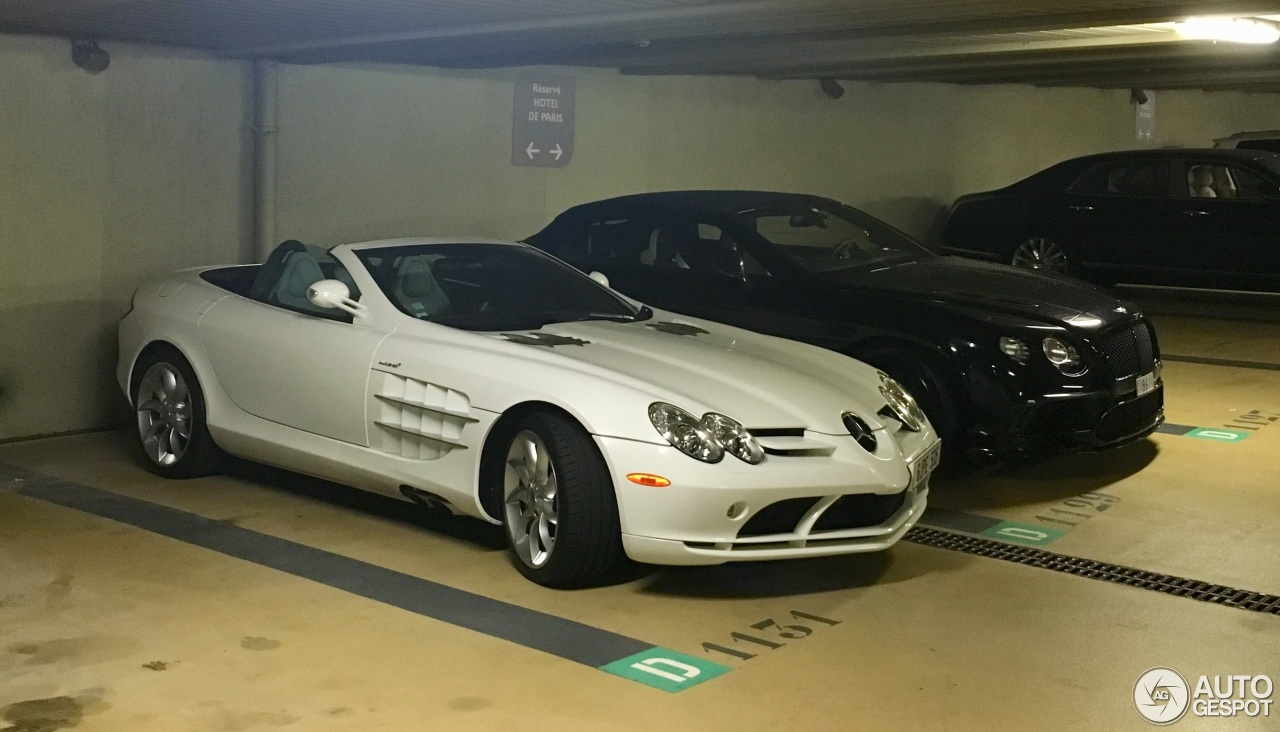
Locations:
(614, 317)
(643, 313)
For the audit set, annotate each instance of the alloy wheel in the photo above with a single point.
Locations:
(530, 493)
(1042, 254)
(164, 414)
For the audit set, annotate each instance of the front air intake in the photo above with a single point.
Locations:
(860, 430)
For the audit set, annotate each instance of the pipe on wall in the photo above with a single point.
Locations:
(266, 90)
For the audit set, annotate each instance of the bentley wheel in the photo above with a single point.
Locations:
(169, 410)
(1042, 254)
(558, 504)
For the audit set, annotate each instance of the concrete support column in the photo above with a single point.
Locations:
(266, 89)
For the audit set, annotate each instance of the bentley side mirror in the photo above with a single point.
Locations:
(599, 278)
(331, 294)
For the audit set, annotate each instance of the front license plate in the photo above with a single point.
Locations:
(924, 464)
(1146, 383)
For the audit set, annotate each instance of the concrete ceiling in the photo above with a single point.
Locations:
(1129, 43)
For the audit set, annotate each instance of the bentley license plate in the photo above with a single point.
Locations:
(924, 464)
(1146, 383)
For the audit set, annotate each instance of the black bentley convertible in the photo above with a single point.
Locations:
(1005, 362)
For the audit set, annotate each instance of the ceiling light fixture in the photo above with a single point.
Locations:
(1231, 30)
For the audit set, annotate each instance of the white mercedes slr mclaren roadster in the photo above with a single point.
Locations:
(496, 381)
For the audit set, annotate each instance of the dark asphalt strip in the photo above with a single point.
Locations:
(1262, 365)
(529, 628)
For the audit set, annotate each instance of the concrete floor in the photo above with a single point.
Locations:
(104, 626)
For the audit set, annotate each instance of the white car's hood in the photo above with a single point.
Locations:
(710, 367)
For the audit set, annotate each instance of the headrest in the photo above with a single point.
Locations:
(301, 272)
(417, 284)
(416, 279)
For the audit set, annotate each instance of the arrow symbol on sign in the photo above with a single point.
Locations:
(531, 151)
(557, 151)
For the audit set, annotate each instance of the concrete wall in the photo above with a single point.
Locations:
(104, 181)
(388, 151)
(107, 180)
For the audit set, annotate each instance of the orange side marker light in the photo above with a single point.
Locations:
(648, 479)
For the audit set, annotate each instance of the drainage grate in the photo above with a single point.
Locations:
(1140, 578)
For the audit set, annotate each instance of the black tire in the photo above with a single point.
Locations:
(194, 456)
(587, 538)
(930, 386)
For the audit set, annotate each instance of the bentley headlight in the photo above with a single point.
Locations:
(685, 432)
(904, 408)
(1015, 349)
(1063, 355)
(733, 437)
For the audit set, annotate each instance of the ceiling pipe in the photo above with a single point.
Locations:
(266, 92)
(1203, 54)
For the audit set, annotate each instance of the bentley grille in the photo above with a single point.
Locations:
(1128, 350)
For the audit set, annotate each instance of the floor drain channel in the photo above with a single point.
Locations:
(1168, 584)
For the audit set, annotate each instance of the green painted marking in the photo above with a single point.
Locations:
(666, 669)
(1017, 533)
(1218, 434)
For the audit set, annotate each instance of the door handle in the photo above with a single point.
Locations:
(1195, 213)
(1080, 207)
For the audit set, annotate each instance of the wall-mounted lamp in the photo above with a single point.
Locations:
(1231, 30)
(831, 87)
(86, 54)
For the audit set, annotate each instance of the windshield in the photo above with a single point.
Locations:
(1271, 162)
(490, 287)
(821, 238)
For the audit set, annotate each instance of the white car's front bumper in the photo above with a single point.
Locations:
(732, 511)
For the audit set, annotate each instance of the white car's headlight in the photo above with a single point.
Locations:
(734, 438)
(706, 439)
(685, 432)
(904, 408)
(1063, 355)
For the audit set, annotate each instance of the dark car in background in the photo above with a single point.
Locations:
(1167, 217)
(1005, 362)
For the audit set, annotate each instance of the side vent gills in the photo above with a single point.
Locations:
(438, 410)
(418, 420)
(420, 435)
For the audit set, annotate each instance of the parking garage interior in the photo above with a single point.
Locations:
(1032, 592)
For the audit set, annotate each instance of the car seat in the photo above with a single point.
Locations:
(301, 271)
(1200, 181)
(418, 291)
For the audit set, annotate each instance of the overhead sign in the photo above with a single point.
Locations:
(542, 122)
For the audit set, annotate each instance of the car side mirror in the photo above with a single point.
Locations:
(599, 278)
(1269, 190)
(331, 294)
